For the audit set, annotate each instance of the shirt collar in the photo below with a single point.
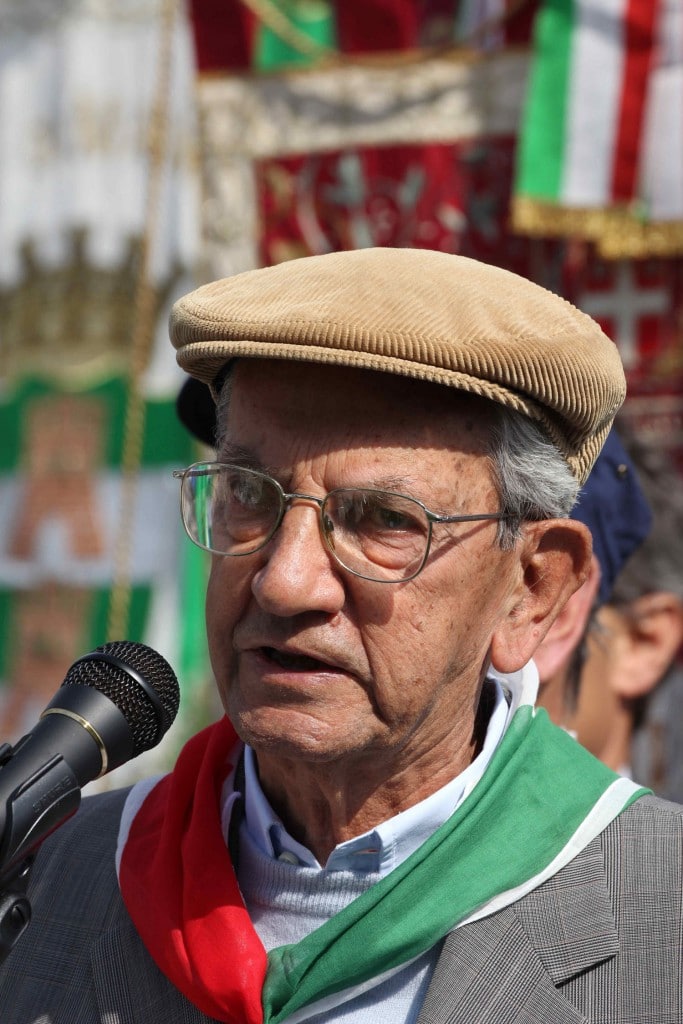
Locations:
(384, 847)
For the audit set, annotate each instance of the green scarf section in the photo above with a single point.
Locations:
(542, 799)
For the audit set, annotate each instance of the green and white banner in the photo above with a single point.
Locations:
(99, 233)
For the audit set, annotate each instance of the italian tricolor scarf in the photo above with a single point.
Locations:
(601, 145)
(542, 799)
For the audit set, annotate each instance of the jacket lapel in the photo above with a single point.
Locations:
(508, 967)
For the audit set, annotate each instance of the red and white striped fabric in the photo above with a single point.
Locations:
(603, 123)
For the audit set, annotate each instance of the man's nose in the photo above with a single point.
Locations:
(298, 573)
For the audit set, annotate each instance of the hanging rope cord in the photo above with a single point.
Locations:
(144, 323)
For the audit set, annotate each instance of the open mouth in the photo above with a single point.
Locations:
(294, 662)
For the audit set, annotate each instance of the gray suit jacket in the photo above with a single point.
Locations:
(600, 942)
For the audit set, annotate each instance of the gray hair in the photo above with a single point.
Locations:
(223, 385)
(534, 482)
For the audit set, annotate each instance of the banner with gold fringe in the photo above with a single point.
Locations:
(601, 142)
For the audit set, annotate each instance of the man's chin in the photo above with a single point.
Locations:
(294, 736)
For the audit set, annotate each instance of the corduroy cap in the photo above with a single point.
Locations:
(422, 314)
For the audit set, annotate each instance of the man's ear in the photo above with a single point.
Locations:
(554, 560)
(653, 626)
(565, 634)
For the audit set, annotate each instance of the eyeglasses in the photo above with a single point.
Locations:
(377, 535)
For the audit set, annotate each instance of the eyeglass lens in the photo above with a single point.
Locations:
(230, 511)
(376, 531)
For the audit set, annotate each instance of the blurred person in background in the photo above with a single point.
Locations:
(613, 506)
(633, 646)
(617, 638)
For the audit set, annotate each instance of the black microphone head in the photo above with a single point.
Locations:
(141, 684)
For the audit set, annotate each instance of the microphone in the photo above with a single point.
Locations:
(114, 703)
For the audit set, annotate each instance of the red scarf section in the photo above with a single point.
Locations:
(200, 936)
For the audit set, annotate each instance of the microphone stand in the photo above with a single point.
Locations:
(33, 809)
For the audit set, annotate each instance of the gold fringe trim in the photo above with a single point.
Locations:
(72, 323)
(617, 232)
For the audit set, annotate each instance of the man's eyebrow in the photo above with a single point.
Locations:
(406, 485)
(400, 484)
(413, 488)
(235, 453)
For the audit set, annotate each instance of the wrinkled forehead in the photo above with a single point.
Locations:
(333, 404)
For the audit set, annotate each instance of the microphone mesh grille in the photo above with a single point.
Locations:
(125, 691)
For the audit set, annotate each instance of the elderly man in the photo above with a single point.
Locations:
(381, 828)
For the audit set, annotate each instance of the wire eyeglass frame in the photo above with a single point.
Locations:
(325, 522)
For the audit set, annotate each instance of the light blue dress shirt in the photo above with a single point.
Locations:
(386, 846)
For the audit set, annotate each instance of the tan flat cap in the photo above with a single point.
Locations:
(421, 314)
